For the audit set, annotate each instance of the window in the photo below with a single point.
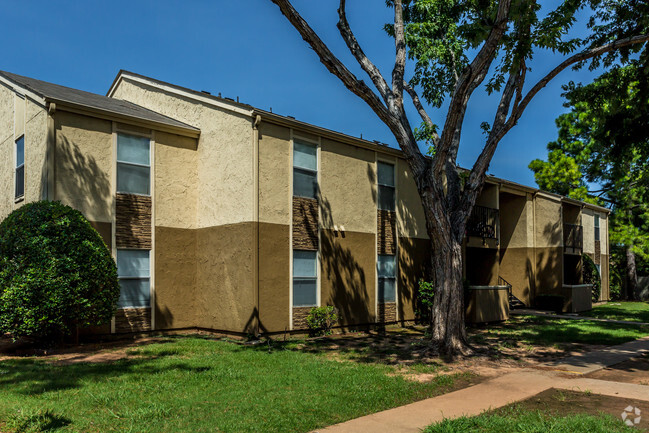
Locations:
(386, 186)
(133, 270)
(133, 164)
(599, 269)
(20, 167)
(305, 279)
(596, 227)
(305, 170)
(387, 270)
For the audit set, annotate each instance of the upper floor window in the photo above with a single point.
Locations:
(386, 190)
(305, 170)
(596, 227)
(134, 272)
(20, 167)
(133, 164)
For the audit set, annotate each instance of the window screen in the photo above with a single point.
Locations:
(305, 170)
(596, 227)
(387, 273)
(133, 164)
(386, 191)
(133, 270)
(20, 167)
(305, 279)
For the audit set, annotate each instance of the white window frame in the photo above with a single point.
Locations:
(18, 167)
(393, 186)
(133, 164)
(306, 170)
(316, 278)
(131, 278)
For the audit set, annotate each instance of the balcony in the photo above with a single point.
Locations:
(483, 223)
(573, 238)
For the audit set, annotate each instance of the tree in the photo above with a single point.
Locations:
(454, 45)
(604, 140)
(56, 273)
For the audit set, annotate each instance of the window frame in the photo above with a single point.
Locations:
(134, 278)
(379, 277)
(315, 278)
(307, 171)
(18, 167)
(132, 164)
(392, 187)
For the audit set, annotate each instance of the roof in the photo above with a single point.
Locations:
(292, 122)
(66, 95)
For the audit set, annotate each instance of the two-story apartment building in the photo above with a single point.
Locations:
(226, 217)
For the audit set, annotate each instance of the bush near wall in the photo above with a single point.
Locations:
(56, 273)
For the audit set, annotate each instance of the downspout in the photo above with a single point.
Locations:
(255, 152)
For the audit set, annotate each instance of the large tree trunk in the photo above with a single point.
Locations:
(631, 274)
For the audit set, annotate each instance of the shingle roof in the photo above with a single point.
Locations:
(56, 93)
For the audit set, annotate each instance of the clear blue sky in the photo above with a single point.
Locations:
(246, 48)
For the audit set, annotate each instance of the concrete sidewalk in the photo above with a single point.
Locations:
(504, 390)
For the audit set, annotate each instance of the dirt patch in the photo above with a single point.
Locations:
(635, 370)
(561, 403)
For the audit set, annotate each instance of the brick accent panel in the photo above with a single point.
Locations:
(387, 312)
(386, 236)
(305, 223)
(132, 320)
(133, 221)
(598, 252)
(299, 317)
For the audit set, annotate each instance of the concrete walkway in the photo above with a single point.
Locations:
(504, 390)
(542, 313)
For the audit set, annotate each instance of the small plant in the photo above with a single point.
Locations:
(424, 304)
(321, 319)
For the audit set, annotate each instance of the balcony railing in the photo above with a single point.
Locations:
(573, 237)
(483, 223)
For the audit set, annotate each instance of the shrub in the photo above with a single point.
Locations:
(424, 303)
(56, 273)
(591, 276)
(321, 319)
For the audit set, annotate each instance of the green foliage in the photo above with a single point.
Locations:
(55, 272)
(591, 276)
(424, 302)
(321, 319)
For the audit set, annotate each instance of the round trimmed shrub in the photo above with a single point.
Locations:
(56, 273)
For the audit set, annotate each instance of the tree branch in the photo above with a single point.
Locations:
(400, 57)
(421, 110)
(365, 63)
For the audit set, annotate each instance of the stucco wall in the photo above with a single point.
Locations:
(275, 172)
(603, 232)
(411, 221)
(348, 187)
(488, 196)
(35, 151)
(84, 164)
(588, 222)
(549, 249)
(225, 159)
(6, 151)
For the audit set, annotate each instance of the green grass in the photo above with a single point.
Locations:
(515, 419)
(630, 311)
(199, 385)
(545, 331)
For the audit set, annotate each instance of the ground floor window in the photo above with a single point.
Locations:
(387, 278)
(305, 278)
(133, 270)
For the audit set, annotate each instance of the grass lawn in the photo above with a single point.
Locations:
(631, 311)
(197, 384)
(545, 331)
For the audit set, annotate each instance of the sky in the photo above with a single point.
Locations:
(246, 48)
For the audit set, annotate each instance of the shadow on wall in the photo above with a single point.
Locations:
(349, 289)
(82, 184)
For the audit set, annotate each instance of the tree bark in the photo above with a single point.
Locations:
(631, 274)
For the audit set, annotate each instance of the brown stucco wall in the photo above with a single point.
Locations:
(414, 260)
(548, 241)
(84, 164)
(225, 295)
(274, 277)
(175, 277)
(348, 275)
(606, 288)
(517, 268)
(105, 230)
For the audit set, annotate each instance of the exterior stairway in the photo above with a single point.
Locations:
(514, 302)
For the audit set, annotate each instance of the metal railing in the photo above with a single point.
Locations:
(483, 223)
(573, 236)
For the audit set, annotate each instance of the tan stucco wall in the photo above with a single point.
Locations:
(225, 152)
(348, 187)
(35, 151)
(571, 213)
(549, 228)
(488, 196)
(414, 259)
(348, 275)
(6, 151)
(274, 277)
(588, 222)
(411, 221)
(275, 172)
(603, 233)
(176, 181)
(84, 164)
